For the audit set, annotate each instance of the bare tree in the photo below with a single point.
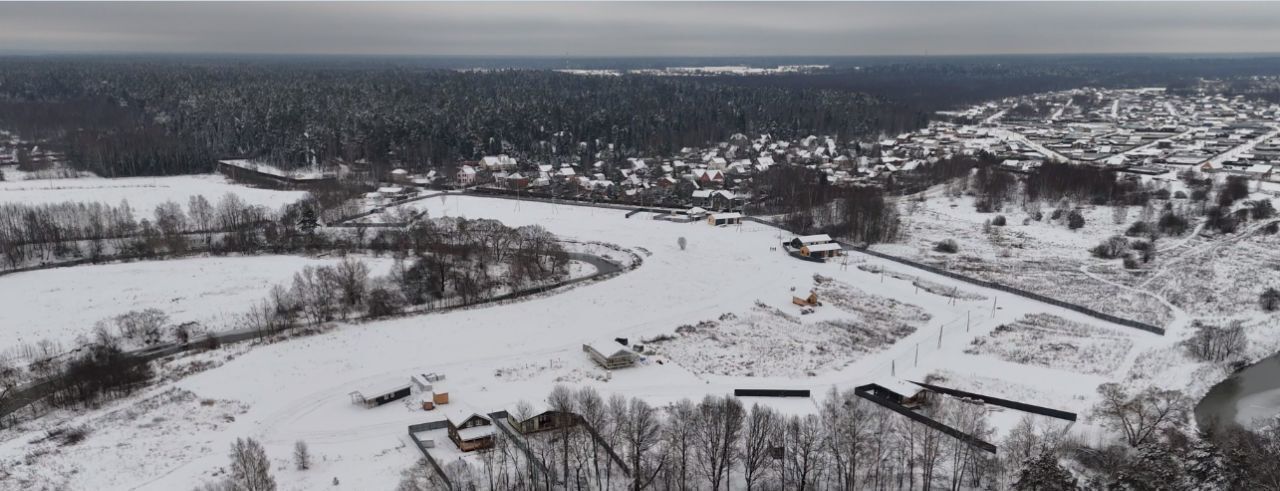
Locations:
(850, 418)
(565, 406)
(352, 278)
(301, 456)
(250, 467)
(592, 410)
(640, 430)
(760, 435)
(1139, 416)
(802, 453)
(719, 427)
(680, 434)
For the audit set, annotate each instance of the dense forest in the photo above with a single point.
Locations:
(122, 116)
(119, 118)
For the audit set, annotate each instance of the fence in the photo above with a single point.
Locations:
(770, 393)
(433, 425)
(499, 419)
(608, 449)
(1016, 291)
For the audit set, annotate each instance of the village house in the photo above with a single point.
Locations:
(466, 175)
(540, 418)
(469, 429)
(725, 219)
(611, 354)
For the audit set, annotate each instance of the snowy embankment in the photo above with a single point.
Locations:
(142, 193)
(495, 357)
(62, 304)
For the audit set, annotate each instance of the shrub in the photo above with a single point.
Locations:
(1261, 209)
(1111, 248)
(998, 221)
(1270, 300)
(1216, 344)
(1272, 228)
(1162, 194)
(383, 302)
(1138, 229)
(1130, 262)
(948, 246)
(1172, 224)
(1057, 214)
(1180, 195)
(1075, 220)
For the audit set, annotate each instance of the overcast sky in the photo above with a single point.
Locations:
(641, 29)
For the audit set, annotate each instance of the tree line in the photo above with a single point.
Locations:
(123, 117)
(809, 204)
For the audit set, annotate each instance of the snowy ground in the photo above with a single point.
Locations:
(142, 193)
(496, 356)
(1043, 256)
(62, 304)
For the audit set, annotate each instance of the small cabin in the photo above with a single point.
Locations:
(611, 354)
(725, 219)
(805, 240)
(542, 418)
(822, 251)
(470, 430)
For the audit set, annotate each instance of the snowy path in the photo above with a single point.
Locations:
(1244, 147)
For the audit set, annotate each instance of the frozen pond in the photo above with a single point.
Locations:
(1249, 396)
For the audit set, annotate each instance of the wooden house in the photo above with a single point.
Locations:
(470, 430)
(611, 354)
(822, 251)
(542, 418)
(805, 240)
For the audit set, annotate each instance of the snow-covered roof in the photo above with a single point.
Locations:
(830, 246)
(1259, 169)
(475, 432)
(814, 239)
(726, 216)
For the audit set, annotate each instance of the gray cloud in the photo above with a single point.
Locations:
(642, 29)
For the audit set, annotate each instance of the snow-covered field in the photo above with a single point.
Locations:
(1049, 341)
(142, 193)
(496, 356)
(1043, 256)
(62, 304)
